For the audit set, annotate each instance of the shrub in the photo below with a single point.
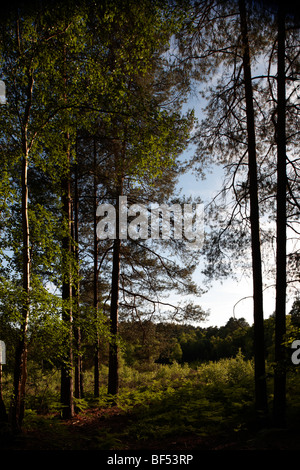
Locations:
(226, 371)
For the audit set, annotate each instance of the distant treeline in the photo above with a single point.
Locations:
(144, 343)
(168, 342)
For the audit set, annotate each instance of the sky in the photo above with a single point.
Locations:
(229, 298)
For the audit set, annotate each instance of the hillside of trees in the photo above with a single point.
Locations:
(97, 125)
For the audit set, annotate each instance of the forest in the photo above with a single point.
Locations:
(103, 343)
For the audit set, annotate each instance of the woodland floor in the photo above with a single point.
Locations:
(97, 430)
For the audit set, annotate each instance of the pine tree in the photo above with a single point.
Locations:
(281, 235)
(135, 134)
(228, 134)
(259, 347)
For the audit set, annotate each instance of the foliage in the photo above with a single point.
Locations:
(162, 402)
(167, 402)
(96, 104)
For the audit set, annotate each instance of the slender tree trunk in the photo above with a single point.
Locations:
(67, 318)
(67, 381)
(259, 349)
(113, 379)
(113, 375)
(97, 343)
(279, 410)
(78, 383)
(20, 372)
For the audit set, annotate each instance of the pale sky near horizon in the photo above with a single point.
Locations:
(222, 297)
(228, 298)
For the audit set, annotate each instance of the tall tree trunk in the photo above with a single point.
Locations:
(20, 372)
(279, 410)
(78, 383)
(67, 382)
(259, 349)
(95, 286)
(113, 374)
(113, 377)
(67, 317)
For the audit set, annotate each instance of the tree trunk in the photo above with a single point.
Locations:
(20, 372)
(280, 312)
(67, 366)
(78, 382)
(259, 349)
(95, 286)
(113, 375)
(67, 383)
(113, 378)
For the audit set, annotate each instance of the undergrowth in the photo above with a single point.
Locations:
(158, 402)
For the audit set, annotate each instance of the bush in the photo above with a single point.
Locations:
(226, 372)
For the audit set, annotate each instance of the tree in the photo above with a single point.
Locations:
(136, 135)
(33, 60)
(21, 354)
(78, 379)
(295, 312)
(20, 51)
(281, 191)
(259, 349)
(96, 274)
(67, 315)
(229, 134)
(281, 270)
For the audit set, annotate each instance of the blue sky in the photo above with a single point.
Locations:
(228, 298)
